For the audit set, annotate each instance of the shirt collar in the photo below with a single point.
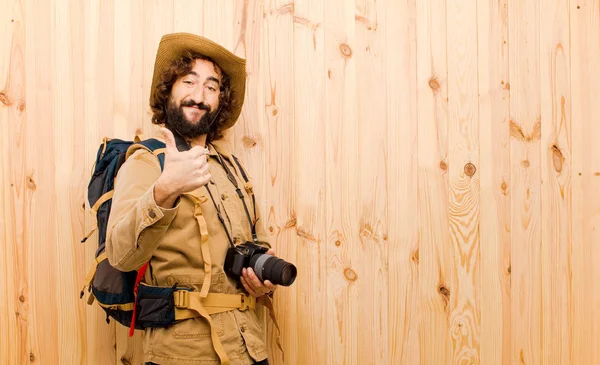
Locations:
(222, 146)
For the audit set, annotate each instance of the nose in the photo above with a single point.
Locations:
(197, 94)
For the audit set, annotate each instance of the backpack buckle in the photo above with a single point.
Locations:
(181, 298)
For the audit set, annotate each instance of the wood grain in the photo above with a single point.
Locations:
(341, 154)
(280, 156)
(14, 305)
(369, 53)
(525, 130)
(463, 166)
(435, 253)
(159, 19)
(585, 177)
(310, 176)
(188, 16)
(556, 166)
(402, 206)
(249, 133)
(129, 102)
(41, 205)
(495, 183)
(69, 139)
(98, 336)
(430, 167)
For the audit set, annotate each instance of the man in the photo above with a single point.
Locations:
(184, 219)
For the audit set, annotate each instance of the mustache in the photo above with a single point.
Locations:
(191, 103)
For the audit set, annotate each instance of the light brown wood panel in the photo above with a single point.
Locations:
(585, 128)
(341, 152)
(402, 207)
(435, 252)
(99, 337)
(311, 176)
(361, 121)
(41, 218)
(525, 132)
(463, 165)
(494, 173)
(14, 305)
(277, 58)
(556, 165)
(370, 170)
(66, 65)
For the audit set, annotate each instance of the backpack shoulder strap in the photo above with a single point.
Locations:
(156, 147)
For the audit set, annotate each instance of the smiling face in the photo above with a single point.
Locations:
(193, 103)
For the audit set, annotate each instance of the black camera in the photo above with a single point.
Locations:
(266, 267)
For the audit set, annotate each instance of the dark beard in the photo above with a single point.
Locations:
(177, 121)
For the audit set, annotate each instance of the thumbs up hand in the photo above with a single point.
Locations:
(183, 171)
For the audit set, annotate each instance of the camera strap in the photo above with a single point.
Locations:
(220, 216)
(233, 180)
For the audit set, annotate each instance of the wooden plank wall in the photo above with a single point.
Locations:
(431, 166)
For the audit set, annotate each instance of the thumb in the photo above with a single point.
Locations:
(169, 139)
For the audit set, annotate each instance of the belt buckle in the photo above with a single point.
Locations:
(181, 298)
(246, 302)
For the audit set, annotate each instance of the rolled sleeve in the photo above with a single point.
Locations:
(136, 224)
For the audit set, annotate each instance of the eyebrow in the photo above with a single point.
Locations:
(210, 78)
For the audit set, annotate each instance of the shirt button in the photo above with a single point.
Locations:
(243, 329)
(151, 214)
(223, 196)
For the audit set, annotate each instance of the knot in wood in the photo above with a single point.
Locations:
(444, 291)
(557, 158)
(470, 169)
(4, 99)
(434, 84)
(249, 142)
(346, 50)
(31, 184)
(350, 274)
(415, 256)
(21, 107)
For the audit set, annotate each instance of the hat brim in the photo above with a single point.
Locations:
(172, 47)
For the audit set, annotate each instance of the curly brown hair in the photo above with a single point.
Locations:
(181, 67)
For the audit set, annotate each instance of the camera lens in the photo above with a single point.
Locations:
(274, 269)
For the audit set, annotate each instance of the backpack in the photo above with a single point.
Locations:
(112, 289)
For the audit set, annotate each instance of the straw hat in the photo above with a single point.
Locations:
(172, 46)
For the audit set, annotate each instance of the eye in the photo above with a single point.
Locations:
(188, 82)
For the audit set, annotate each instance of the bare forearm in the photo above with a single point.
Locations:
(163, 196)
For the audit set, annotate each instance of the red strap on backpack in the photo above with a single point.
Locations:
(138, 279)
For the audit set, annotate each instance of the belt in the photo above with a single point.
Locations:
(192, 304)
(187, 303)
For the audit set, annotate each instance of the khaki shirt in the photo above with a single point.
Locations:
(139, 230)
